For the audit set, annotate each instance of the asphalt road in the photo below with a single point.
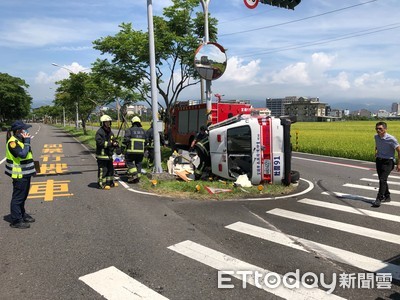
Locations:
(122, 244)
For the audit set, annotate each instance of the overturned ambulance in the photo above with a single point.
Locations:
(257, 146)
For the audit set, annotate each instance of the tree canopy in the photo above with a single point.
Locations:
(85, 92)
(177, 36)
(15, 102)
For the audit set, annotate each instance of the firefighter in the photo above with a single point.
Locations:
(202, 134)
(150, 143)
(105, 145)
(134, 141)
(20, 167)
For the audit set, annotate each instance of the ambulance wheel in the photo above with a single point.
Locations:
(294, 176)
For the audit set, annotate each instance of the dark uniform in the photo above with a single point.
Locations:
(201, 135)
(20, 167)
(150, 143)
(134, 140)
(104, 152)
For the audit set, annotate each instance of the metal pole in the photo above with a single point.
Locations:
(118, 110)
(154, 101)
(205, 3)
(77, 116)
(76, 103)
(64, 116)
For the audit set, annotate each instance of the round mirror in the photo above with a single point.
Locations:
(210, 61)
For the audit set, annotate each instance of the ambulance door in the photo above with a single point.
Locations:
(239, 151)
(217, 138)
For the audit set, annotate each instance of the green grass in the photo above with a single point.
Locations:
(181, 189)
(351, 139)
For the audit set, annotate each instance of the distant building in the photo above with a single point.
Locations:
(308, 110)
(362, 113)
(396, 108)
(136, 110)
(382, 113)
(277, 105)
(338, 113)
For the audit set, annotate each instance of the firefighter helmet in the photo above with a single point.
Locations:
(136, 119)
(105, 118)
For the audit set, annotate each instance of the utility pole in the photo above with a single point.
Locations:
(154, 101)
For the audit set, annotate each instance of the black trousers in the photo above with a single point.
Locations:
(384, 167)
(134, 163)
(20, 193)
(105, 172)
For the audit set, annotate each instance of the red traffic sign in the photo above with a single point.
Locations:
(251, 3)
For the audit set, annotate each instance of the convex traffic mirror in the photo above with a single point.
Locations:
(210, 61)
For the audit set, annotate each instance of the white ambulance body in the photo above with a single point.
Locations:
(258, 146)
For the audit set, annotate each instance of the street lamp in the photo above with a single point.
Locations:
(76, 103)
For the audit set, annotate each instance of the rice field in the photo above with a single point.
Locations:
(348, 139)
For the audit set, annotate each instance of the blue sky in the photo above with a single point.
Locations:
(342, 51)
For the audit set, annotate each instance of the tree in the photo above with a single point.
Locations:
(46, 113)
(177, 36)
(15, 102)
(85, 92)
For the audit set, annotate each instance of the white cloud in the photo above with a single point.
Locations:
(322, 60)
(76, 48)
(292, 74)
(371, 79)
(49, 31)
(341, 81)
(59, 74)
(237, 71)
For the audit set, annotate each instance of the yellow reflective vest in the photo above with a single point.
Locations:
(17, 167)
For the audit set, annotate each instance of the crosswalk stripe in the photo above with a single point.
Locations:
(114, 284)
(353, 210)
(390, 176)
(340, 255)
(370, 188)
(377, 181)
(371, 233)
(223, 262)
(358, 197)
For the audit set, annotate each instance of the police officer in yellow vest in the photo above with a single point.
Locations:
(20, 167)
(134, 141)
(105, 145)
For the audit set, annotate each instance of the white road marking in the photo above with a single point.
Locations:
(369, 188)
(3, 160)
(377, 181)
(223, 262)
(358, 197)
(340, 255)
(114, 284)
(333, 163)
(390, 176)
(363, 231)
(353, 210)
